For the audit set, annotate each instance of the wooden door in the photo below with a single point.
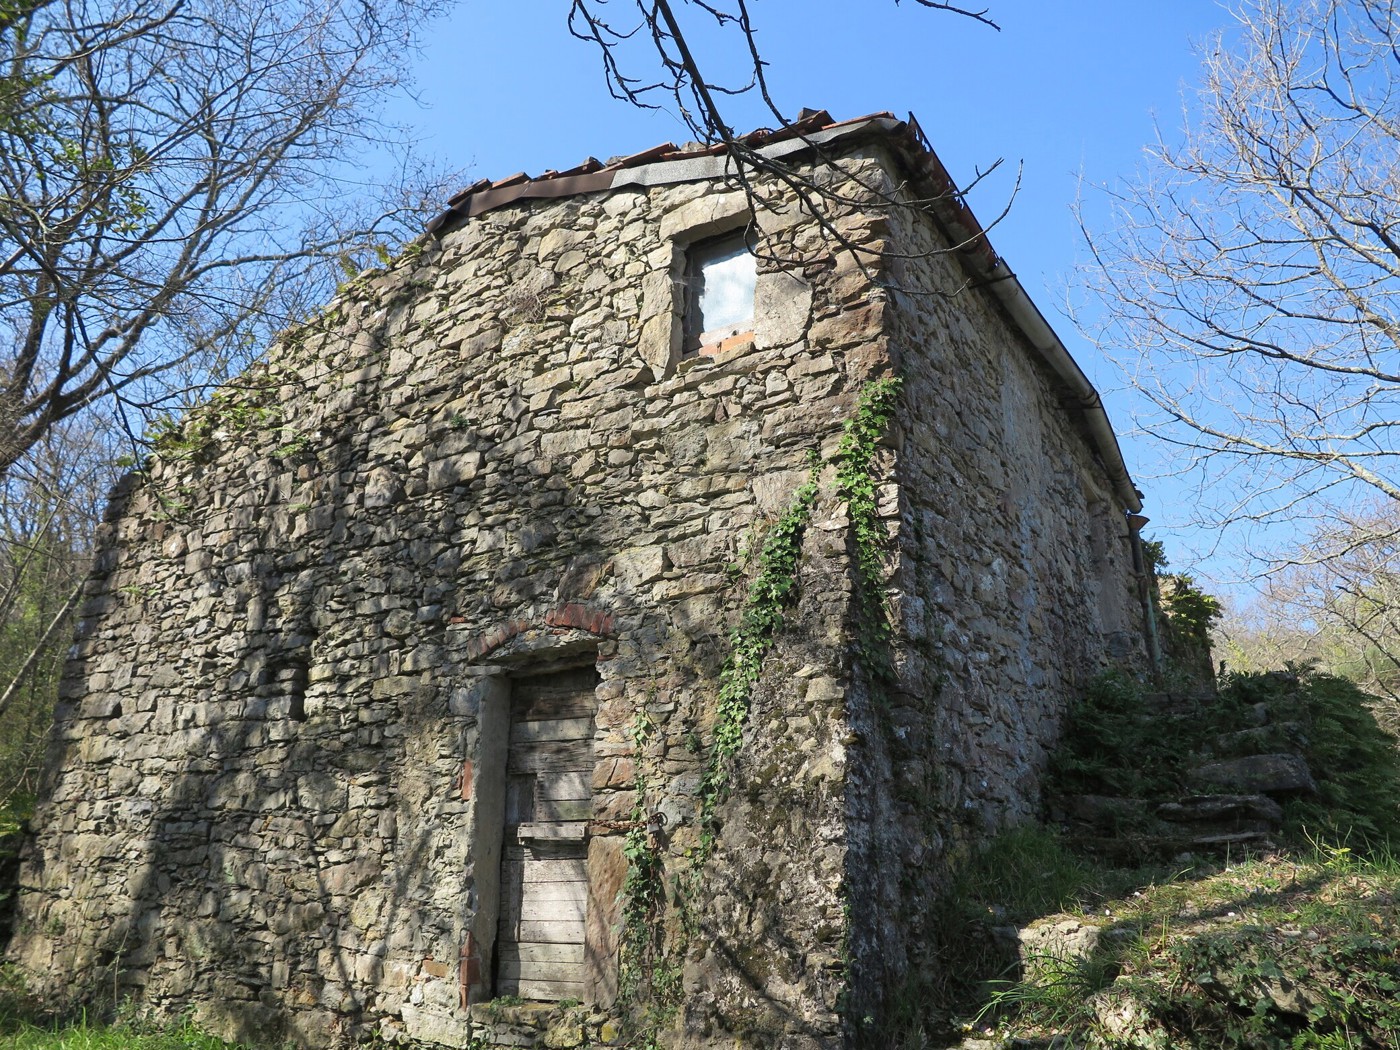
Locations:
(544, 869)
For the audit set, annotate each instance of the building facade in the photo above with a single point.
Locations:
(636, 597)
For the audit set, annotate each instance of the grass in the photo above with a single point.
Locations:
(1285, 951)
(19, 1034)
(1297, 948)
(1029, 872)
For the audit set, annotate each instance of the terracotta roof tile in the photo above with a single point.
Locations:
(461, 195)
(589, 166)
(593, 175)
(655, 153)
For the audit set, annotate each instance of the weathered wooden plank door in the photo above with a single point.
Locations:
(544, 870)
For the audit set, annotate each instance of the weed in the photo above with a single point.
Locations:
(1354, 760)
(297, 445)
(1107, 748)
(196, 437)
(412, 251)
(129, 1033)
(1058, 995)
(645, 977)
(1190, 611)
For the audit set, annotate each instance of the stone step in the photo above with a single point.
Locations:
(1178, 702)
(1261, 739)
(1144, 849)
(1275, 774)
(1133, 830)
(1208, 812)
(1223, 813)
(1104, 812)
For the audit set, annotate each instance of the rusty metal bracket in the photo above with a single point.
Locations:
(655, 824)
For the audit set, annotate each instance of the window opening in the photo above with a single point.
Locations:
(720, 278)
(289, 675)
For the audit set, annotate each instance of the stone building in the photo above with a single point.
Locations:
(636, 597)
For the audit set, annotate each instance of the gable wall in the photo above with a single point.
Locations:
(268, 791)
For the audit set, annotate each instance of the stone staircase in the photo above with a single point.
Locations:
(1230, 797)
(1197, 775)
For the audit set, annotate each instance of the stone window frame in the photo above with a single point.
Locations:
(782, 300)
(697, 339)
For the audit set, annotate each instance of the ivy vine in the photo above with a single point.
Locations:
(857, 484)
(643, 972)
(772, 592)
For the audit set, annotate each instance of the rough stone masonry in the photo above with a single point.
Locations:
(398, 642)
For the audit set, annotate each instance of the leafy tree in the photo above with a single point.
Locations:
(49, 506)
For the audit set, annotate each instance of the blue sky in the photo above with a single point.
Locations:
(1068, 92)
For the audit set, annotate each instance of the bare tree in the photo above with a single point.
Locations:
(1252, 271)
(164, 196)
(1338, 610)
(649, 62)
(166, 186)
(675, 76)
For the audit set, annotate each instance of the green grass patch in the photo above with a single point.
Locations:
(17, 1033)
(1025, 873)
(1290, 951)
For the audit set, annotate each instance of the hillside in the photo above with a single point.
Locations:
(1275, 928)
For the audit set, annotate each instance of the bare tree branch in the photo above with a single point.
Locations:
(59, 622)
(675, 78)
(165, 172)
(1249, 279)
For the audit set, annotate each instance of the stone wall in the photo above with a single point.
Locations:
(1013, 586)
(275, 787)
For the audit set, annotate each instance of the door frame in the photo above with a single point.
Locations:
(489, 686)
